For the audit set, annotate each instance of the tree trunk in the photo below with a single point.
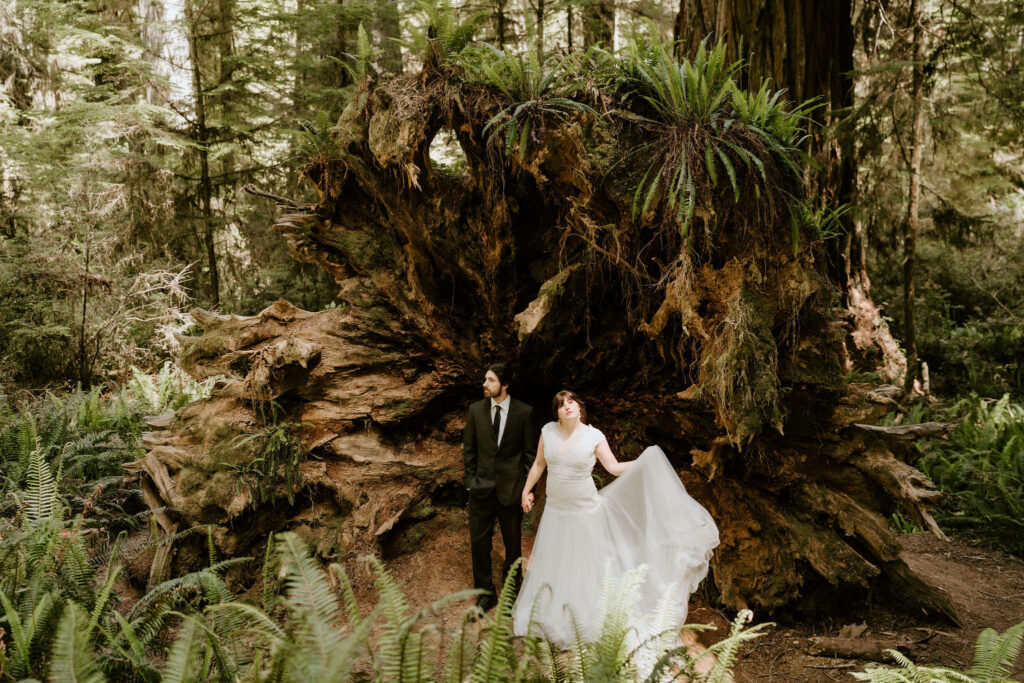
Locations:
(389, 29)
(723, 348)
(568, 26)
(539, 24)
(501, 23)
(599, 23)
(914, 198)
(202, 138)
(807, 47)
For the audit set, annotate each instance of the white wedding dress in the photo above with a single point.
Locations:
(644, 517)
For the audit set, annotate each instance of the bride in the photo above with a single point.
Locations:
(645, 517)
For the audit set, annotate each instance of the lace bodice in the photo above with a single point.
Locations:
(569, 464)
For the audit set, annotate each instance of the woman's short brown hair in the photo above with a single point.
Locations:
(561, 398)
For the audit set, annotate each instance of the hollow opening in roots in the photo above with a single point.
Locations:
(446, 154)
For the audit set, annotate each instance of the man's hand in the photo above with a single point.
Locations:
(527, 501)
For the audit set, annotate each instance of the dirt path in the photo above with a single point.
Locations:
(987, 588)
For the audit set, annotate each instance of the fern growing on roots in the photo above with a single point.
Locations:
(702, 130)
(534, 93)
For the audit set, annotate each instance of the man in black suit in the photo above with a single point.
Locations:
(499, 446)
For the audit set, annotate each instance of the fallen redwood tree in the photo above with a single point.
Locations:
(688, 304)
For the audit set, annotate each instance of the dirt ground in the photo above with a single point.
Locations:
(987, 588)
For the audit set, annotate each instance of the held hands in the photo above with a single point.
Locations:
(527, 501)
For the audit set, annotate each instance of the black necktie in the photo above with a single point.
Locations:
(497, 421)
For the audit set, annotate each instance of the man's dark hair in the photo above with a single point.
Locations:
(503, 373)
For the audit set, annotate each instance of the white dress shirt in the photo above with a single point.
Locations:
(504, 415)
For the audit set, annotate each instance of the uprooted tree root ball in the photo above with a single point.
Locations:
(645, 251)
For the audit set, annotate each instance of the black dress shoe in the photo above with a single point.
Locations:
(486, 601)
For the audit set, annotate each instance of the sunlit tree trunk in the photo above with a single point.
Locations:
(501, 22)
(539, 26)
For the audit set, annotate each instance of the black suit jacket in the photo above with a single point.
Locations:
(499, 468)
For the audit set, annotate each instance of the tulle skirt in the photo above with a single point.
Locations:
(645, 517)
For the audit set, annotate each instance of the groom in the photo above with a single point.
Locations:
(498, 450)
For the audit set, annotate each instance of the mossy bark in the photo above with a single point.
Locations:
(724, 346)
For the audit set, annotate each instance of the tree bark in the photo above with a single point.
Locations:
(501, 23)
(568, 26)
(539, 24)
(910, 225)
(202, 137)
(723, 348)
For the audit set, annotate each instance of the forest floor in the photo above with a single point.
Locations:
(986, 586)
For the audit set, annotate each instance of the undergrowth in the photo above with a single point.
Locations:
(980, 466)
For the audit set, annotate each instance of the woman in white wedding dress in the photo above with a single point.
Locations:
(645, 517)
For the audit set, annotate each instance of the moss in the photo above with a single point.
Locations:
(740, 367)
(368, 249)
(400, 408)
(325, 540)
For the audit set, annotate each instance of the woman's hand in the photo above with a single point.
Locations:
(531, 479)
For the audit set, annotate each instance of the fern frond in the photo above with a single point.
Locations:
(496, 660)
(180, 666)
(995, 654)
(72, 659)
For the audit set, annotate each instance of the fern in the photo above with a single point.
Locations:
(360, 66)
(40, 502)
(443, 38)
(496, 660)
(72, 659)
(995, 653)
(404, 645)
(461, 651)
(535, 92)
(702, 123)
(180, 666)
(994, 657)
(609, 647)
(325, 651)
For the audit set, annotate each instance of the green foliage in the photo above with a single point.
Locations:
(64, 625)
(72, 658)
(701, 128)
(994, 656)
(981, 466)
(361, 64)
(969, 308)
(903, 525)
(164, 392)
(313, 138)
(535, 93)
(444, 36)
(276, 462)
(89, 434)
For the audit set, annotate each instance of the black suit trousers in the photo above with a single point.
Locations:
(483, 512)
